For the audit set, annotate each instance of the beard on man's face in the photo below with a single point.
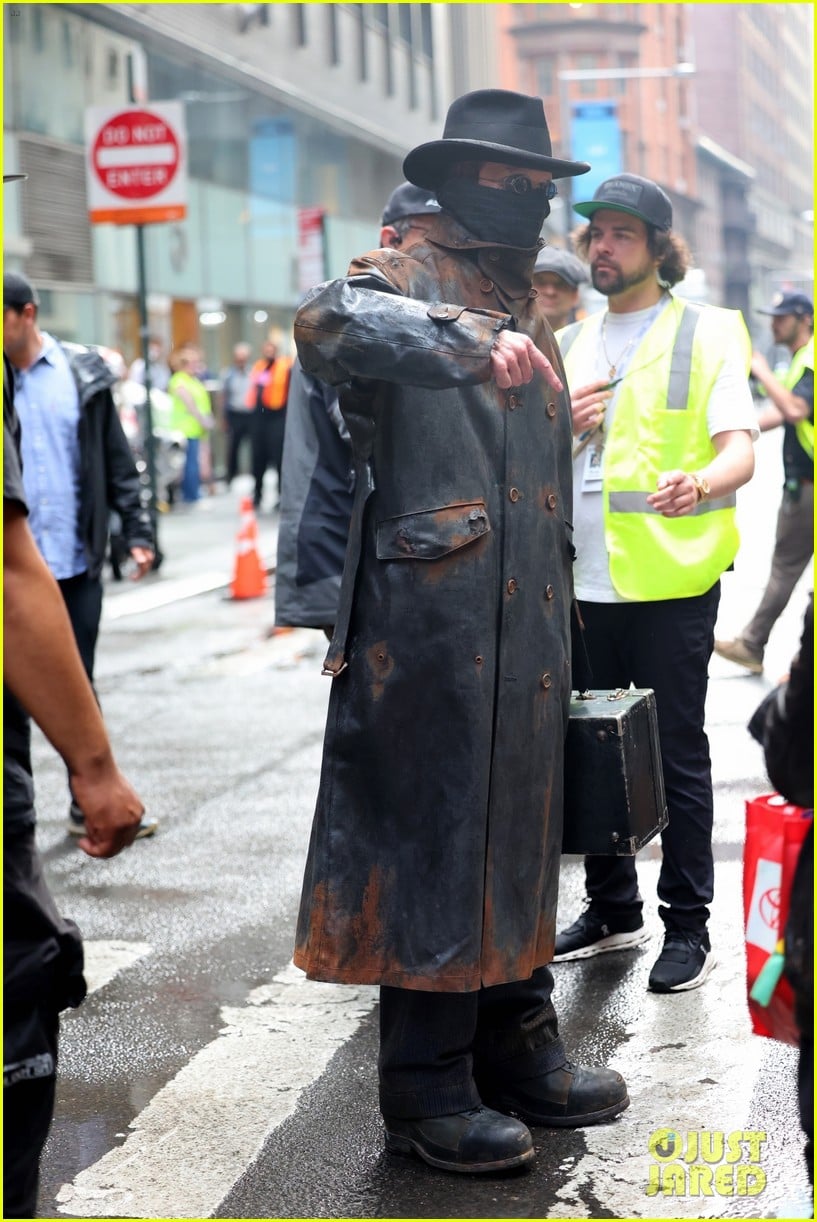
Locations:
(610, 280)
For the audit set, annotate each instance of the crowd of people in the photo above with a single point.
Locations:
(470, 465)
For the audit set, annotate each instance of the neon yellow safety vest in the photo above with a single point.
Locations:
(183, 422)
(803, 359)
(660, 424)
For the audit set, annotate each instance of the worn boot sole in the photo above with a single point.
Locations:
(408, 1146)
(560, 1122)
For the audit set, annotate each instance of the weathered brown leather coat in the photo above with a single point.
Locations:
(434, 856)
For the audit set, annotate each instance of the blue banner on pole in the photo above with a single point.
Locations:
(595, 137)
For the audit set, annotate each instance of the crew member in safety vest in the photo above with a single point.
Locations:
(267, 396)
(663, 427)
(791, 403)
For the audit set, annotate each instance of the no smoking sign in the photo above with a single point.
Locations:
(136, 164)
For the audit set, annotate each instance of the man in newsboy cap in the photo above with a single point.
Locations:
(434, 860)
(557, 275)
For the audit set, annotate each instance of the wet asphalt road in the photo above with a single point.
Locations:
(203, 1078)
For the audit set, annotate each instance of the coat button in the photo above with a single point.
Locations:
(512, 586)
(486, 285)
(479, 659)
(493, 257)
(551, 501)
(513, 401)
(551, 410)
(546, 680)
(513, 494)
(548, 592)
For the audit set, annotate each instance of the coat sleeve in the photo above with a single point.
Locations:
(364, 326)
(123, 482)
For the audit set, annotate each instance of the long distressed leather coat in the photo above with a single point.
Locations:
(434, 856)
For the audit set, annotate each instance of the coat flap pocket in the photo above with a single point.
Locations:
(431, 533)
(441, 312)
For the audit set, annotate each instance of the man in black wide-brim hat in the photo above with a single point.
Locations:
(434, 859)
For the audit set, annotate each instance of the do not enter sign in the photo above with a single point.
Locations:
(136, 164)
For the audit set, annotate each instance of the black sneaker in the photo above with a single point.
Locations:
(590, 935)
(684, 963)
(75, 825)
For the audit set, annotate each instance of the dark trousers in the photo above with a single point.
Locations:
(82, 596)
(438, 1049)
(793, 548)
(666, 646)
(267, 446)
(42, 973)
(239, 429)
(83, 599)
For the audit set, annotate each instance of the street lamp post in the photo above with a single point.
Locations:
(680, 70)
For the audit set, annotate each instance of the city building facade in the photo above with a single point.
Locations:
(712, 101)
(289, 108)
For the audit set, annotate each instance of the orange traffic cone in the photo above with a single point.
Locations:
(250, 577)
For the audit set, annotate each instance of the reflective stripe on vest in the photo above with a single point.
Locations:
(802, 360)
(659, 424)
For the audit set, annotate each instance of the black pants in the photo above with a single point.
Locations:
(437, 1049)
(42, 973)
(239, 429)
(666, 646)
(268, 446)
(83, 599)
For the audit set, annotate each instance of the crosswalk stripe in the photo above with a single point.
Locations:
(104, 960)
(198, 1135)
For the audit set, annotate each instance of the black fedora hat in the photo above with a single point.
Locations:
(490, 125)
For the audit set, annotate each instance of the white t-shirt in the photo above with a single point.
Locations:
(730, 407)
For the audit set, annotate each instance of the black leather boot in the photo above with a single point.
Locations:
(478, 1140)
(567, 1097)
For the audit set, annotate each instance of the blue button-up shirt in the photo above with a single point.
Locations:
(47, 403)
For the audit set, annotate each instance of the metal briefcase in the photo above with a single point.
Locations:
(614, 783)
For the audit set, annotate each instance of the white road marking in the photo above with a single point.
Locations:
(103, 960)
(150, 597)
(200, 1133)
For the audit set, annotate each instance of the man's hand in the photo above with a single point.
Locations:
(587, 404)
(143, 556)
(112, 811)
(515, 357)
(676, 495)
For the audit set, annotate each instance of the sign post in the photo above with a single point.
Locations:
(136, 173)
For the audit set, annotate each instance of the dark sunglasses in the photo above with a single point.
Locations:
(520, 184)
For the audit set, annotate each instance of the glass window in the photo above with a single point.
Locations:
(587, 63)
(362, 61)
(333, 34)
(37, 28)
(67, 45)
(299, 24)
(544, 77)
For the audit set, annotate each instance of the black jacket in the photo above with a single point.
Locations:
(316, 505)
(108, 476)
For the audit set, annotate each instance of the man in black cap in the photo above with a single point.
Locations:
(318, 477)
(663, 425)
(557, 275)
(791, 403)
(77, 467)
(434, 859)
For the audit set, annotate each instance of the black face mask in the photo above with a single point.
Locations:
(494, 215)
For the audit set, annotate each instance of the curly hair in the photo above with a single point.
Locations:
(672, 251)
